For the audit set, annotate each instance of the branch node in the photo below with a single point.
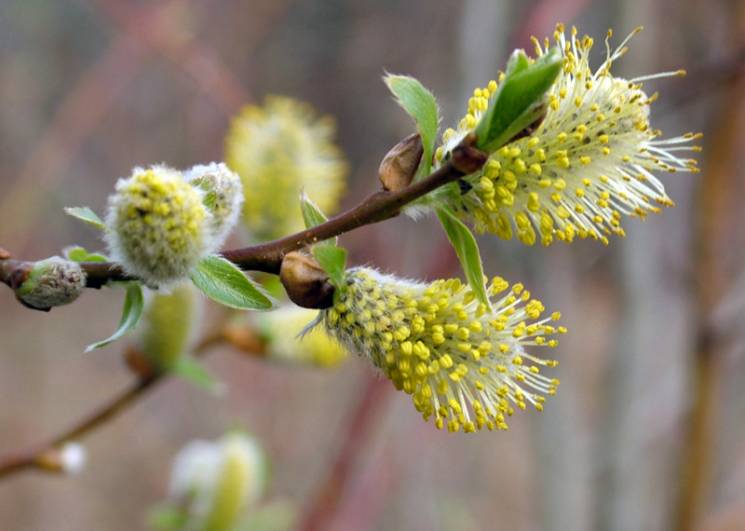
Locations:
(466, 158)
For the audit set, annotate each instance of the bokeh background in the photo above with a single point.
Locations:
(647, 430)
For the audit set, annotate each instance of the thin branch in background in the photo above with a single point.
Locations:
(542, 17)
(75, 119)
(715, 205)
(323, 506)
(179, 46)
(30, 459)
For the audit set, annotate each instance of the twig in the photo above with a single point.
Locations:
(715, 206)
(197, 60)
(30, 459)
(268, 257)
(75, 118)
(323, 506)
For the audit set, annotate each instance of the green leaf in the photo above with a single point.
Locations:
(87, 215)
(518, 101)
(517, 62)
(131, 313)
(223, 282)
(333, 260)
(467, 250)
(77, 253)
(421, 105)
(189, 369)
(312, 214)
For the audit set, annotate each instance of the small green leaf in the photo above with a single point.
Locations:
(333, 260)
(421, 105)
(131, 313)
(189, 369)
(223, 282)
(77, 253)
(467, 250)
(312, 214)
(210, 200)
(87, 215)
(517, 62)
(518, 101)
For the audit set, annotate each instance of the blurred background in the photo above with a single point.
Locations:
(646, 432)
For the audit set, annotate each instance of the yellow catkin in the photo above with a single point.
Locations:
(465, 366)
(591, 161)
(280, 149)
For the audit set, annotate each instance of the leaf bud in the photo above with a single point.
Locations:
(399, 165)
(306, 283)
(48, 283)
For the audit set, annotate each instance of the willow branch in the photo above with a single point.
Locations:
(33, 458)
(323, 506)
(267, 257)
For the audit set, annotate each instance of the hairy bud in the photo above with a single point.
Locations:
(223, 196)
(158, 227)
(213, 483)
(51, 282)
(399, 165)
(306, 283)
(68, 459)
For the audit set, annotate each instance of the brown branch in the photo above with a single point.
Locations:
(716, 208)
(323, 505)
(268, 257)
(33, 458)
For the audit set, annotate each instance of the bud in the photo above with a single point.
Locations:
(158, 228)
(51, 282)
(213, 483)
(306, 283)
(223, 196)
(399, 165)
(69, 459)
(288, 339)
(167, 326)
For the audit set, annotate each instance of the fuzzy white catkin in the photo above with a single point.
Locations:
(224, 196)
(215, 482)
(158, 228)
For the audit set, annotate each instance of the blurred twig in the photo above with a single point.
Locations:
(715, 205)
(74, 120)
(323, 505)
(30, 459)
(179, 46)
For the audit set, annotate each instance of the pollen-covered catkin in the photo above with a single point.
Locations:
(590, 162)
(279, 150)
(157, 225)
(463, 364)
